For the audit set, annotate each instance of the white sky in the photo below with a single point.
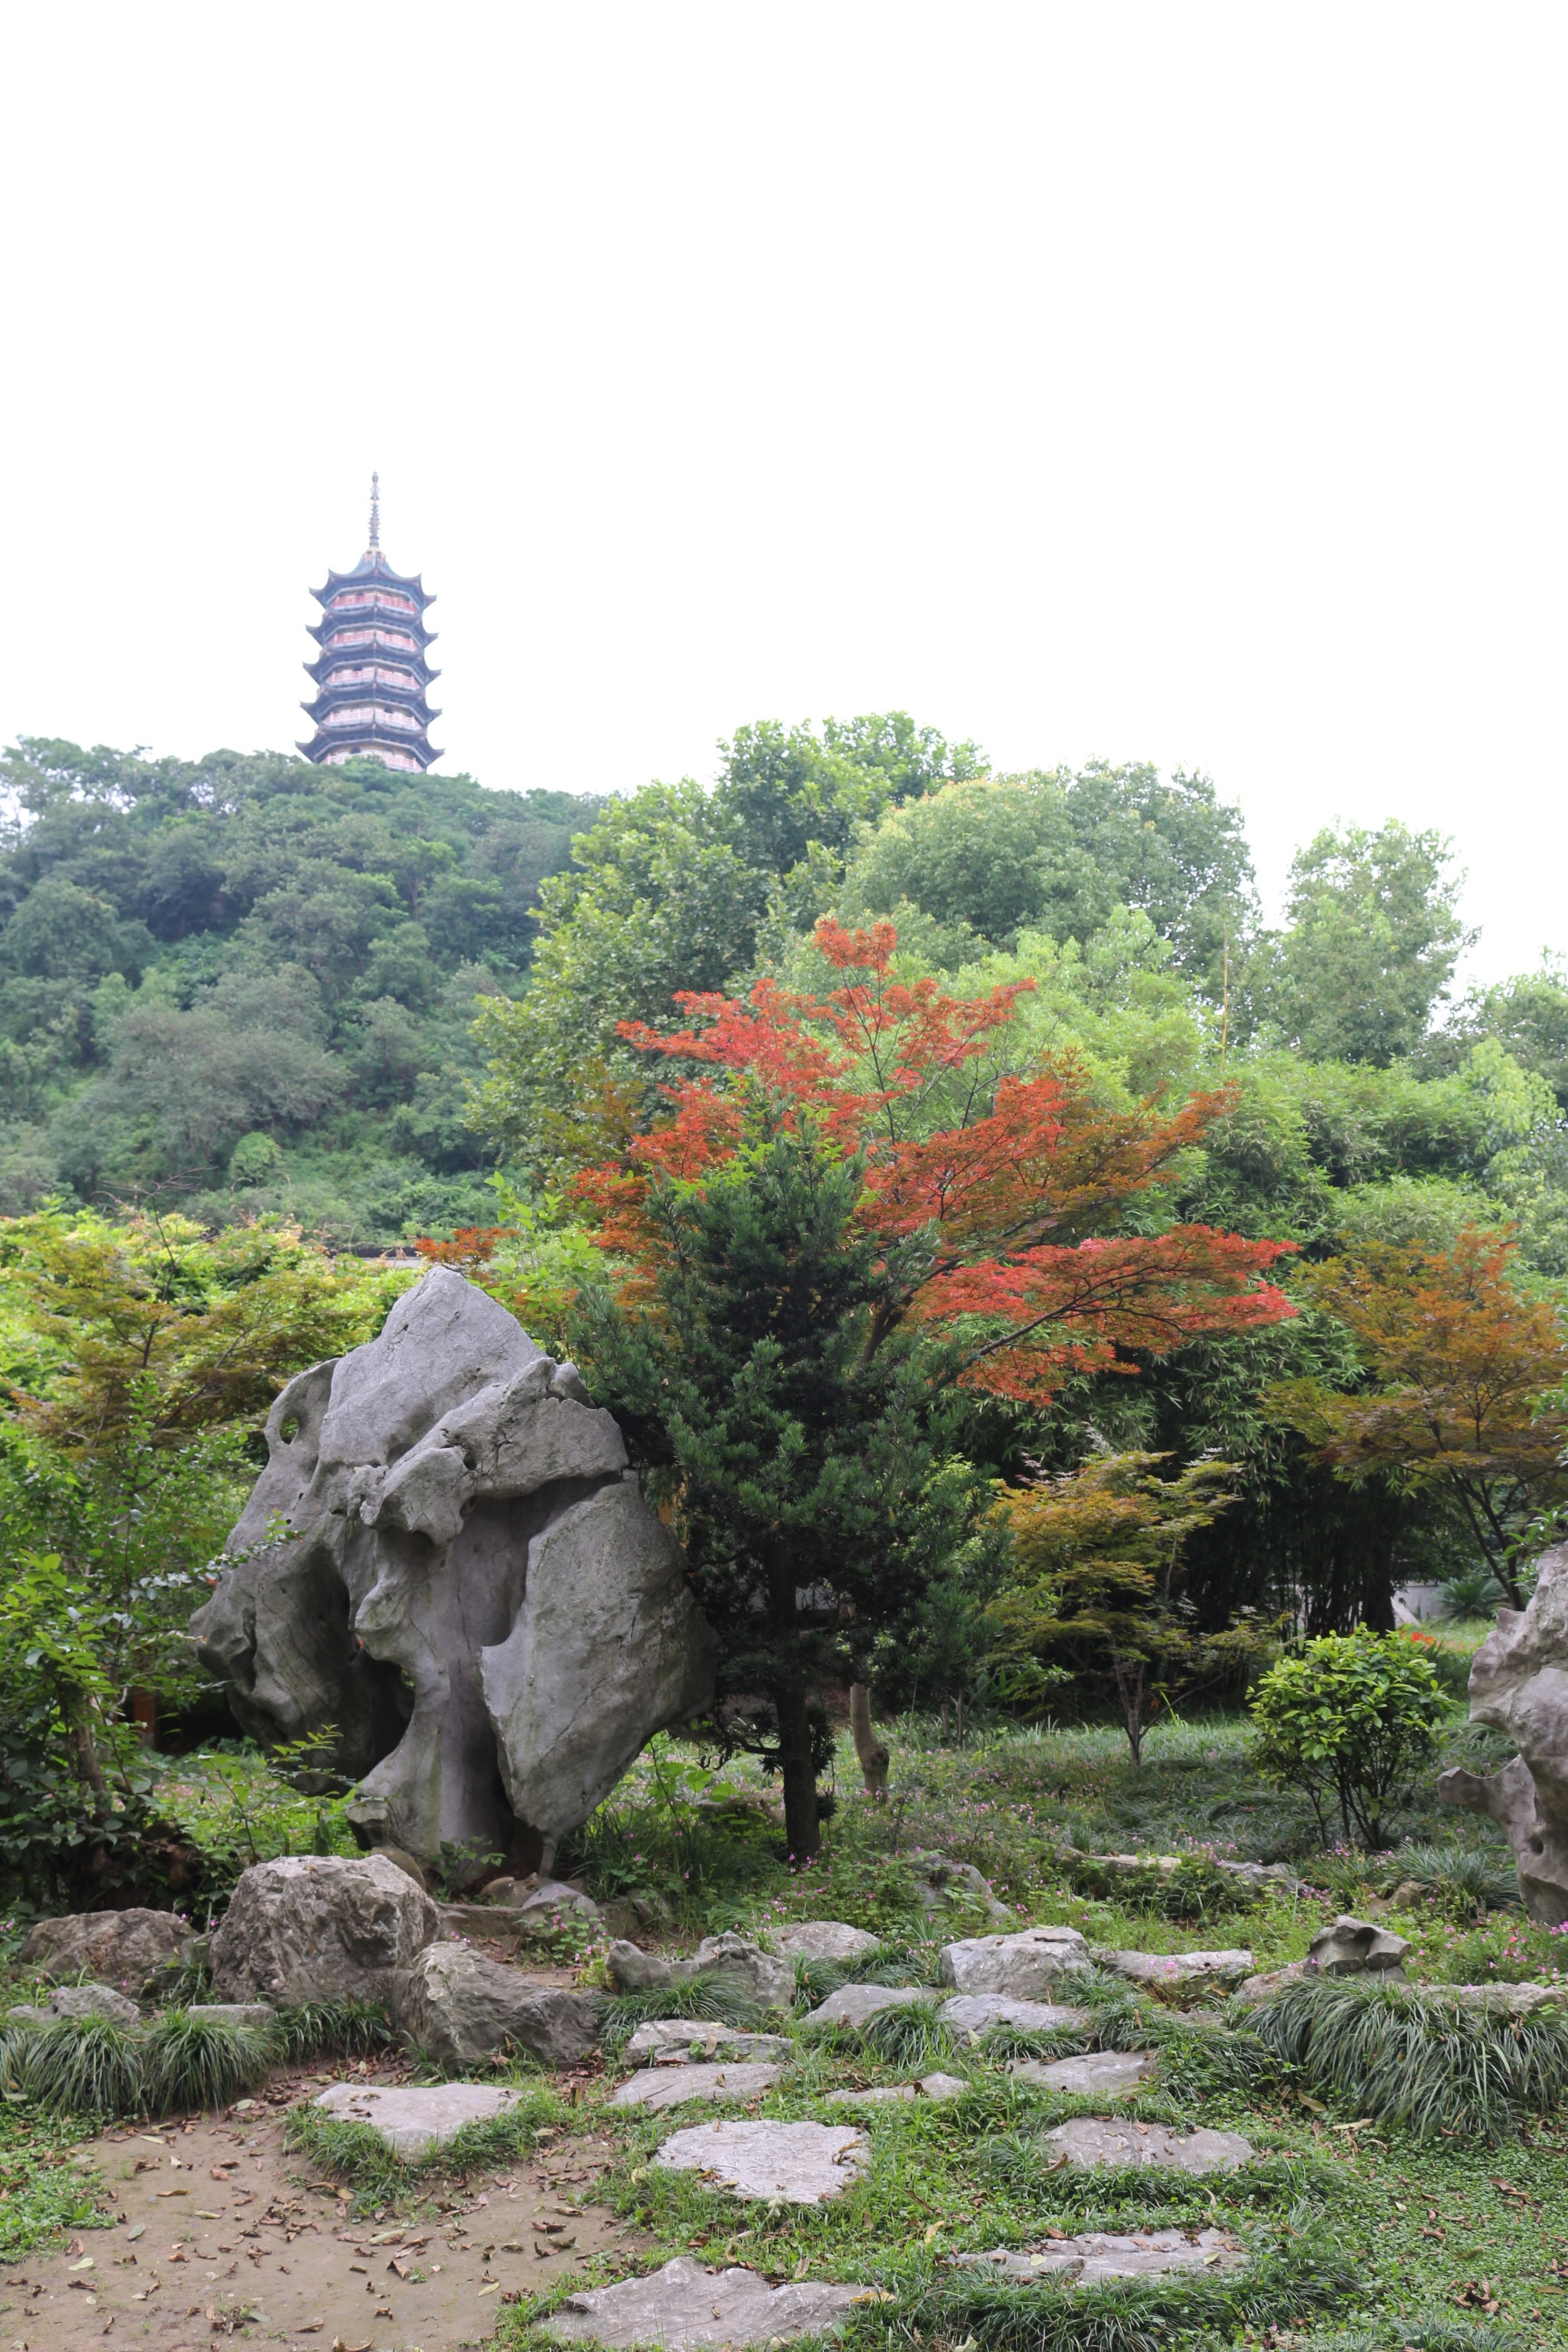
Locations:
(1179, 382)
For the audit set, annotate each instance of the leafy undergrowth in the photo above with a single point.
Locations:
(43, 2189)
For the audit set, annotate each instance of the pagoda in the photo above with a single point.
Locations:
(371, 675)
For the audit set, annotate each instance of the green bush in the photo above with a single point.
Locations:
(1349, 1720)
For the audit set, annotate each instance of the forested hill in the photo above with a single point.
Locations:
(248, 980)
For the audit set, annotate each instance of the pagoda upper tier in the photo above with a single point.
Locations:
(372, 674)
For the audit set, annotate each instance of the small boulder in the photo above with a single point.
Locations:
(755, 1974)
(1024, 1967)
(1098, 2074)
(411, 2121)
(1170, 1971)
(799, 2164)
(93, 2001)
(315, 1927)
(131, 1950)
(671, 2086)
(855, 2004)
(631, 1970)
(401, 1859)
(1254, 1989)
(689, 2040)
(1353, 1947)
(977, 2012)
(954, 1890)
(824, 1939)
(1089, 2141)
(457, 2007)
(551, 1902)
(684, 2308)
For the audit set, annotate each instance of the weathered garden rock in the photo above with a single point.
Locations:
(474, 1593)
(803, 2164)
(405, 1861)
(631, 1970)
(93, 2001)
(977, 2012)
(319, 1927)
(1170, 1971)
(1088, 2140)
(1023, 1967)
(930, 2086)
(1353, 1947)
(1513, 2000)
(1253, 1990)
(1519, 1684)
(1099, 2254)
(412, 2121)
(689, 2040)
(1099, 2073)
(131, 1950)
(457, 2007)
(671, 2086)
(684, 2306)
(824, 1939)
(543, 1912)
(954, 1889)
(755, 1974)
(854, 2004)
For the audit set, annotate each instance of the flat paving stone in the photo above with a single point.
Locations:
(671, 2086)
(802, 2164)
(1091, 2141)
(1162, 1971)
(853, 2004)
(1099, 2254)
(684, 2306)
(977, 2012)
(930, 2086)
(698, 2041)
(1110, 2074)
(410, 2121)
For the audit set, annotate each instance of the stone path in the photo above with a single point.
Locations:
(975, 2013)
(412, 2121)
(930, 2086)
(671, 2086)
(1105, 2074)
(803, 2164)
(1091, 2141)
(1100, 2254)
(684, 2306)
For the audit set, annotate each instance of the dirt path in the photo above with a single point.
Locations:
(217, 2232)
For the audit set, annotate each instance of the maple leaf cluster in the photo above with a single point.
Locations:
(994, 1194)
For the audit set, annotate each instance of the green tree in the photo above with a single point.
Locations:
(1349, 1720)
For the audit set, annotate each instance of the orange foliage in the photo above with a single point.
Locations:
(471, 1249)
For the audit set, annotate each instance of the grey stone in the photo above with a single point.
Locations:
(458, 2008)
(319, 1927)
(93, 2001)
(1519, 1684)
(1254, 1989)
(1100, 2254)
(1099, 2073)
(1509, 1999)
(537, 1909)
(1088, 2140)
(824, 1939)
(631, 1970)
(930, 2086)
(630, 1915)
(257, 2014)
(684, 2306)
(1172, 1971)
(411, 2121)
(671, 2086)
(799, 2164)
(754, 1973)
(473, 1593)
(403, 1860)
(1353, 1947)
(129, 1949)
(681, 2040)
(1024, 1967)
(977, 2012)
(855, 2004)
(955, 1890)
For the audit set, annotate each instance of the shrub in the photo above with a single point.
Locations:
(1349, 1720)
(192, 2060)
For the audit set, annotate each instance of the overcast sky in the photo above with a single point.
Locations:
(1173, 381)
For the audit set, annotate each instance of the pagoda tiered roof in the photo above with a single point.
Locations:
(372, 673)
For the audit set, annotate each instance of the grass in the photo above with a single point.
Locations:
(355, 2153)
(42, 2190)
(98, 2068)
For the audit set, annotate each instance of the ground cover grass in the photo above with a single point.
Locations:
(43, 2191)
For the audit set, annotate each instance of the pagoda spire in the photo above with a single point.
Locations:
(372, 676)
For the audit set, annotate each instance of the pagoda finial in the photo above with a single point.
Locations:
(374, 513)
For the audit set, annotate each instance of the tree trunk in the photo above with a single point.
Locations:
(802, 1830)
(873, 1754)
(145, 1716)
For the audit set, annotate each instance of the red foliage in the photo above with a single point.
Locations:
(470, 1248)
(1013, 1180)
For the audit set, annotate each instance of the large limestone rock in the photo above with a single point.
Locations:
(824, 1939)
(684, 2307)
(1355, 1948)
(456, 2008)
(1519, 1684)
(800, 2163)
(129, 1949)
(473, 1591)
(319, 1927)
(1021, 1967)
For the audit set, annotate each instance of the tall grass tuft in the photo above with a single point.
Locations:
(1465, 1883)
(1415, 2056)
(333, 2029)
(710, 1994)
(81, 2067)
(909, 2035)
(190, 2061)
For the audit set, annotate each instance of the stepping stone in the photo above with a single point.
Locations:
(1100, 2254)
(977, 2012)
(1091, 2141)
(1160, 1971)
(671, 2086)
(410, 2121)
(930, 2086)
(689, 2040)
(853, 2004)
(1110, 2074)
(802, 2164)
(1022, 1967)
(824, 1939)
(684, 2306)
